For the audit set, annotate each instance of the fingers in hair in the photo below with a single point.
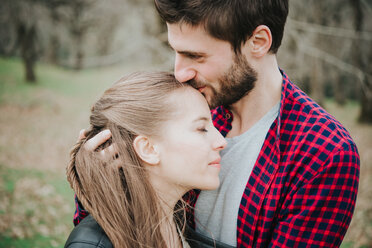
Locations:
(109, 152)
(81, 134)
(112, 151)
(97, 140)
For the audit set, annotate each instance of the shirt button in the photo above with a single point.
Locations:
(227, 116)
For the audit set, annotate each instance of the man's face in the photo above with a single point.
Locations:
(210, 65)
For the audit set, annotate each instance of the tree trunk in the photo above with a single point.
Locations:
(78, 30)
(79, 52)
(107, 36)
(29, 65)
(366, 96)
(53, 49)
(54, 43)
(338, 87)
(366, 105)
(317, 89)
(26, 39)
(366, 99)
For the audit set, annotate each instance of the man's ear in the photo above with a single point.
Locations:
(146, 150)
(260, 41)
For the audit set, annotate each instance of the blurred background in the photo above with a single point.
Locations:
(58, 56)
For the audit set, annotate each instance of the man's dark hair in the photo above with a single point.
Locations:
(230, 20)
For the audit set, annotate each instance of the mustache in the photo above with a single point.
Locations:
(195, 84)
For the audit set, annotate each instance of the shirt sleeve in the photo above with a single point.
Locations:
(319, 212)
(80, 212)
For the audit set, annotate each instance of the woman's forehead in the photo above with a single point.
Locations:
(188, 102)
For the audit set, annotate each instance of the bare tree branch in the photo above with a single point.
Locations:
(309, 50)
(331, 31)
(129, 51)
(367, 7)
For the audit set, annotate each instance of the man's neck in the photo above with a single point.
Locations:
(251, 108)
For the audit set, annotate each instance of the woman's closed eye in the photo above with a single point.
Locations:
(203, 129)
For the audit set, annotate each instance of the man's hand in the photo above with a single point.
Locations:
(93, 143)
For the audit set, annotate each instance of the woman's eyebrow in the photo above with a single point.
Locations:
(202, 118)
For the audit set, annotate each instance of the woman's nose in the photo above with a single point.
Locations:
(220, 142)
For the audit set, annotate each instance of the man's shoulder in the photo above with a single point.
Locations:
(88, 234)
(302, 115)
(312, 139)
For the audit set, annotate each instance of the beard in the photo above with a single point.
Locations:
(236, 83)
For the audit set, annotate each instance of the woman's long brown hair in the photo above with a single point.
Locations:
(116, 191)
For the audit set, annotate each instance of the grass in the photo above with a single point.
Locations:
(35, 241)
(36, 206)
(40, 123)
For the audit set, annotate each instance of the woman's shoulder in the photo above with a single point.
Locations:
(88, 234)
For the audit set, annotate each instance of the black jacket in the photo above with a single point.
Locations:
(88, 234)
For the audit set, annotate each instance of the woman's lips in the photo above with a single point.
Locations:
(216, 163)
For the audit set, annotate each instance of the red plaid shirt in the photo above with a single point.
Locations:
(303, 187)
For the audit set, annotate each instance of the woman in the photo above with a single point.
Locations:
(166, 145)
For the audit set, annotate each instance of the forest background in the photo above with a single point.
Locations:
(57, 57)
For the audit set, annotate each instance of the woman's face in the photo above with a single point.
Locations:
(189, 144)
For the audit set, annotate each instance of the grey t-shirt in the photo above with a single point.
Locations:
(216, 211)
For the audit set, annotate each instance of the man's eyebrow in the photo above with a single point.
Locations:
(192, 54)
(188, 53)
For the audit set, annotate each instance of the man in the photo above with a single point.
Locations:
(290, 171)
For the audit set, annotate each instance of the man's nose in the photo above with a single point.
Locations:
(183, 70)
